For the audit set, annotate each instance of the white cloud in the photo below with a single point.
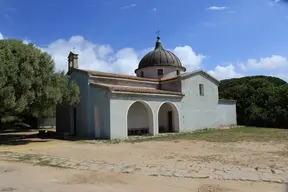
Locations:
(26, 41)
(216, 8)
(154, 9)
(188, 57)
(226, 72)
(272, 66)
(273, 3)
(104, 58)
(274, 62)
(281, 76)
(128, 6)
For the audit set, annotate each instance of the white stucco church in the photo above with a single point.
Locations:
(163, 97)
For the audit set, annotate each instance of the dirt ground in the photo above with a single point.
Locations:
(28, 178)
(147, 166)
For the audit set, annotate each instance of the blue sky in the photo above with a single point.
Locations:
(227, 38)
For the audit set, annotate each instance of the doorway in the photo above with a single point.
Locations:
(168, 118)
(170, 121)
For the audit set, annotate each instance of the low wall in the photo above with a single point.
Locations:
(227, 113)
(49, 122)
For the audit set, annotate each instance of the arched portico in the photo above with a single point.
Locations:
(168, 118)
(139, 119)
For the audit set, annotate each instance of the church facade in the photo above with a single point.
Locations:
(161, 98)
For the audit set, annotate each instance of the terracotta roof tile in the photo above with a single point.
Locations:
(115, 75)
(136, 89)
(104, 74)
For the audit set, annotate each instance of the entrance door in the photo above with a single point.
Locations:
(74, 121)
(170, 122)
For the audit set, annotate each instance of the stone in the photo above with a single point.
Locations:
(271, 178)
(128, 170)
(277, 171)
(94, 167)
(206, 170)
(167, 173)
(181, 173)
(242, 175)
(248, 169)
(196, 175)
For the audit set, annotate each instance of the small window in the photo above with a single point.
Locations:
(201, 89)
(142, 73)
(160, 72)
(178, 72)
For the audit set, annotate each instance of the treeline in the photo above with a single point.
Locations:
(261, 100)
(29, 84)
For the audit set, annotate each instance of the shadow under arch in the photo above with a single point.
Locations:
(139, 119)
(168, 118)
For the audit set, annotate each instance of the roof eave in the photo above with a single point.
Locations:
(146, 94)
(125, 79)
(179, 67)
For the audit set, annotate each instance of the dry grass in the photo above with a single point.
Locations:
(224, 135)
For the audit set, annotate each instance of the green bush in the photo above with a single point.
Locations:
(29, 84)
(261, 100)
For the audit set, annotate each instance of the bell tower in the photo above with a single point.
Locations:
(72, 60)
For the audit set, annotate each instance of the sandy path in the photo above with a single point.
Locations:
(177, 153)
(95, 166)
(28, 178)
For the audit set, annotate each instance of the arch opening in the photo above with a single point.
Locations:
(168, 118)
(139, 119)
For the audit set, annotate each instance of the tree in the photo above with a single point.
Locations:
(261, 100)
(29, 84)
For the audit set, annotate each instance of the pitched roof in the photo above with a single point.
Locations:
(121, 76)
(104, 74)
(195, 72)
(130, 89)
(116, 75)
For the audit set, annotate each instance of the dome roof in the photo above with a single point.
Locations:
(160, 57)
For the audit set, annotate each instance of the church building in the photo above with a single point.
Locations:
(161, 98)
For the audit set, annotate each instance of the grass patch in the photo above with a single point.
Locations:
(223, 135)
(26, 157)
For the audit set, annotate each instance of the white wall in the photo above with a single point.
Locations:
(64, 114)
(206, 111)
(174, 85)
(195, 111)
(199, 111)
(227, 113)
(119, 105)
(151, 72)
(138, 116)
(99, 99)
(49, 122)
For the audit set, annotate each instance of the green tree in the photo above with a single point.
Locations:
(261, 100)
(29, 84)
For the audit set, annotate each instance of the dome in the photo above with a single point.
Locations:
(160, 57)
